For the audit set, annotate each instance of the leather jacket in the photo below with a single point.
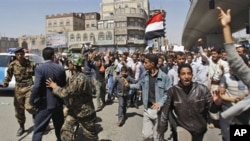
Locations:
(190, 110)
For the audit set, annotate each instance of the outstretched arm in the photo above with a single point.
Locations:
(237, 65)
(225, 20)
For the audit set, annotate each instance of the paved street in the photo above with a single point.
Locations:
(131, 131)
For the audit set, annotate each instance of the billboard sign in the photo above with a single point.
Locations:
(56, 40)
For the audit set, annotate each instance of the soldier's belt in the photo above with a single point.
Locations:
(24, 84)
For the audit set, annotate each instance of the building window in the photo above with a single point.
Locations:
(132, 10)
(92, 37)
(55, 23)
(109, 36)
(110, 24)
(100, 25)
(67, 22)
(61, 23)
(131, 22)
(78, 37)
(49, 24)
(85, 37)
(92, 25)
(101, 36)
(72, 37)
(87, 25)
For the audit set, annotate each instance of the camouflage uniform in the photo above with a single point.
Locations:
(23, 75)
(80, 108)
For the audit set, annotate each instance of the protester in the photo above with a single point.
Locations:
(232, 90)
(240, 112)
(154, 84)
(191, 103)
(123, 93)
(180, 58)
(99, 83)
(216, 68)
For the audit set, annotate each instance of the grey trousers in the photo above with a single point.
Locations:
(150, 121)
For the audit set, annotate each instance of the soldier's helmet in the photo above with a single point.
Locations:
(77, 59)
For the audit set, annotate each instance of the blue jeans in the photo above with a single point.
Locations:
(122, 109)
(110, 85)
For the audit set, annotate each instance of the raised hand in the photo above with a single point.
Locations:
(200, 41)
(224, 18)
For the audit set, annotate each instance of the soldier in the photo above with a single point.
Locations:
(79, 98)
(23, 70)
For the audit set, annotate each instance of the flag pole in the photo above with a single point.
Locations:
(161, 38)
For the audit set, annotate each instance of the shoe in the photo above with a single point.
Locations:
(98, 109)
(136, 106)
(20, 131)
(109, 101)
(120, 123)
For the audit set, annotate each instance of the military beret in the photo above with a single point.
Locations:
(19, 49)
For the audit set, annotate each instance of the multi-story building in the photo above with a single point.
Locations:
(6, 43)
(66, 30)
(120, 25)
(65, 22)
(89, 35)
(129, 18)
(33, 43)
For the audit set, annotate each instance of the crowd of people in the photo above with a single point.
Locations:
(186, 91)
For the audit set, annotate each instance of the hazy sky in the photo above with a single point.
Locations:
(27, 17)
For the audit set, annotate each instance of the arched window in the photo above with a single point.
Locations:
(109, 36)
(101, 36)
(72, 37)
(78, 37)
(92, 37)
(85, 37)
(61, 22)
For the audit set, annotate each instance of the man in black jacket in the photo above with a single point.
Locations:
(190, 104)
(49, 105)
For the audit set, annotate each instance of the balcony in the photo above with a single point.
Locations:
(121, 31)
(135, 41)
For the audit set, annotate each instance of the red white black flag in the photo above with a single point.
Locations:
(154, 27)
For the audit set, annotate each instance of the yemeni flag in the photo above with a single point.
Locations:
(154, 27)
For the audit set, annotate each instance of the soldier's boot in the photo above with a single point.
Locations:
(21, 130)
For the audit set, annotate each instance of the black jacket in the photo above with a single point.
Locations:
(190, 110)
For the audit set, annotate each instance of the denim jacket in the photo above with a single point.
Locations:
(162, 84)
